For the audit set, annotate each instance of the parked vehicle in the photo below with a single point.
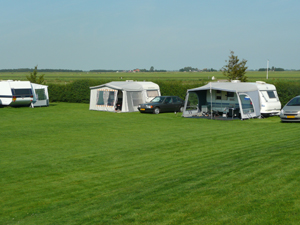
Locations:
(270, 103)
(15, 93)
(162, 104)
(242, 99)
(291, 111)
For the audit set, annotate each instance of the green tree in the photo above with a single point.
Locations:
(188, 69)
(33, 78)
(235, 70)
(151, 69)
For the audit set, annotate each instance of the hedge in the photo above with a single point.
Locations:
(79, 90)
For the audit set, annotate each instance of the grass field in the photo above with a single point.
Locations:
(65, 77)
(64, 164)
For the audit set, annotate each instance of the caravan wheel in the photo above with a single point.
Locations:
(156, 110)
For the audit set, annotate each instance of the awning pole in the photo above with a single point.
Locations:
(210, 102)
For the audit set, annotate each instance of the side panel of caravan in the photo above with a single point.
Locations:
(16, 93)
(5, 93)
(222, 100)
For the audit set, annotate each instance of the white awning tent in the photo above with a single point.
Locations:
(123, 96)
(245, 98)
(40, 95)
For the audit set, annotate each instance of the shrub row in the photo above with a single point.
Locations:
(79, 90)
(286, 89)
(76, 92)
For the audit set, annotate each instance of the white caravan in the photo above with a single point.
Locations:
(244, 100)
(15, 93)
(269, 100)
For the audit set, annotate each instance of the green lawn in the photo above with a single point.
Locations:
(65, 77)
(64, 164)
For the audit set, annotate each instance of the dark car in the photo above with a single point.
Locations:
(162, 104)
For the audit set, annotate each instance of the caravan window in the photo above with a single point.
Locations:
(271, 94)
(218, 95)
(40, 94)
(22, 92)
(230, 94)
(152, 93)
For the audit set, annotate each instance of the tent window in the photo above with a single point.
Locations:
(105, 98)
(152, 93)
(40, 94)
(246, 104)
(136, 98)
(100, 100)
(111, 98)
(192, 103)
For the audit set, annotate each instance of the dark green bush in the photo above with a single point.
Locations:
(79, 90)
(177, 88)
(286, 89)
(76, 92)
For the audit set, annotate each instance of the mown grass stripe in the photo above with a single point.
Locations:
(75, 166)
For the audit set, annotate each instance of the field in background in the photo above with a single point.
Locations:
(65, 77)
(64, 164)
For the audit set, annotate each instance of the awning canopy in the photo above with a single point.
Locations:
(121, 85)
(247, 94)
(227, 86)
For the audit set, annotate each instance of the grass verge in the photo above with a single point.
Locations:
(65, 164)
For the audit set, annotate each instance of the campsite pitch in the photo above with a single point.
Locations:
(64, 164)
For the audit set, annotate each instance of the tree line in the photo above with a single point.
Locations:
(40, 70)
(271, 69)
(184, 69)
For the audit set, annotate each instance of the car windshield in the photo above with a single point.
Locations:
(294, 102)
(158, 99)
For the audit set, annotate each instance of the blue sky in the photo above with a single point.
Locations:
(166, 34)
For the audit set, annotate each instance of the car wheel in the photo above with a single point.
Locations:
(181, 109)
(156, 110)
